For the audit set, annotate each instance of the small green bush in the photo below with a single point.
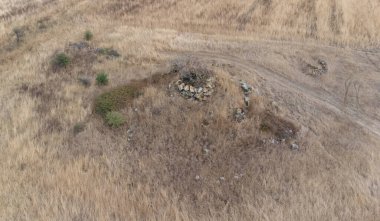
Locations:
(116, 99)
(79, 127)
(102, 79)
(115, 119)
(88, 35)
(62, 60)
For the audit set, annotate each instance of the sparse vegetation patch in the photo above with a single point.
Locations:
(116, 99)
(115, 119)
(281, 128)
(108, 52)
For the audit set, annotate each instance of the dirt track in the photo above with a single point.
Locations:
(317, 97)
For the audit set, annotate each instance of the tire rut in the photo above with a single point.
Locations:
(246, 17)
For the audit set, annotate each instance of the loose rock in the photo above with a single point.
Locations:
(187, 88)
(181, 87)
(207, 151)
(239, 114)
(294, 147)
(246, 101)
(246, 87)
(198, 93)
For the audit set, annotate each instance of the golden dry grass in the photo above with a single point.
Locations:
(331, 21)
(48, 173)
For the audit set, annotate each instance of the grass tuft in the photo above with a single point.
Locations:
(102, 78)
(88, 35)
(79, 127)
(62, 60)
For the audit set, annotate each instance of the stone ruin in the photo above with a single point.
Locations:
(318, 70)
(195, 82)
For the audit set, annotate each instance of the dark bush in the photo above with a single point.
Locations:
(62, 60)
(102, 78)
(88, 35)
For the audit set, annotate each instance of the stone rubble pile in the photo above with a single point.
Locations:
(247, 89)
(200, 93)
(320, 70)
(239, 113)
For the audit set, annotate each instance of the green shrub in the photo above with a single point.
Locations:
(79, 127)
(88, 35)
(116, 99)
(62, 60)
(102, 79)
(115, 119)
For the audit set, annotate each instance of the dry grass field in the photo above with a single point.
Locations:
(314, 68)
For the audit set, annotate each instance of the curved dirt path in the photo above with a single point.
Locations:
(316, 96)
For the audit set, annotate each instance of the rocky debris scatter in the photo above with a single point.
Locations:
(246, 87)
(239, 114)
(247, 90)
(274, 141)
(321, 69)
(130, 134)
(187, 89)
